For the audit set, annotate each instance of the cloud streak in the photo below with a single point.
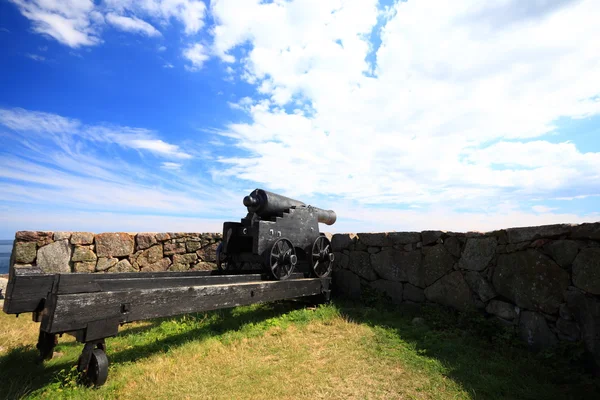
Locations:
(134, 138)
(131, 24)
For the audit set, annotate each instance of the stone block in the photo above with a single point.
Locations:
(392, 289)
(451, 291)
(123, 266)
(118, 244)
(346, 284)
(480, 285)
(478, 253)
(586, 270)
(208, 253)
(104, 263)
(374, 239)
(567, 330)
(61, 236)
(502, 309)
(530, 233)
(391, 264)
(586, 231)
(24, 252)
(42, 238)
(563, 252)
(162, 237)
(436, 263)
(534, 330)
(193, 246)
(360, 264)
(341, 241)
(403, 238)
(84, 266)
(144, 258)
(531, 280)
(83, 253)
(82, 238)
(145, 240)
(183, 262)
(174, 248)
(341, 261)
(413, 293)
(586, 312)
(161, 265)
(452, 244)
(55, 257)
(430, 237)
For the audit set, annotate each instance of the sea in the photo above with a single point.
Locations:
(5, 250)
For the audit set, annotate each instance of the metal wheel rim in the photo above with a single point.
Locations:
(321, 263)
(279, 261)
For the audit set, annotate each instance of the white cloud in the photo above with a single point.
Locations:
(131, 24)
(62, 128)
(171, 165)
(168, 65)
(442, 112)
(157, 146)
(162, 48)
(77, 23)
(35, 57)
(190, 13)
(68, 21)
(197, 55)
(542, 209)
(36, 121)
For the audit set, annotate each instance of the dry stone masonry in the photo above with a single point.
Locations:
(65, 252)
(543, 281)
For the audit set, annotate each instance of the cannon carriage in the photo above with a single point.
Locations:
(278, 234)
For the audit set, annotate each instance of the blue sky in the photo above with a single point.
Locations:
(153, 115)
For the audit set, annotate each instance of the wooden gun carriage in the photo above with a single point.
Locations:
(92, 306)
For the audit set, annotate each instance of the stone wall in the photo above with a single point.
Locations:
(64, 252)
(542, 281)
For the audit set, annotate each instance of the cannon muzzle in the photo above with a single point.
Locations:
(267, 204)
(326, 217)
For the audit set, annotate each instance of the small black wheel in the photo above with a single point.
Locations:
(97, 370)
(322, 257)
(281, 260)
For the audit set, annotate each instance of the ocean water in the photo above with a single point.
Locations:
(5, 250)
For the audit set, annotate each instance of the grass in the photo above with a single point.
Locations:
(288, 351)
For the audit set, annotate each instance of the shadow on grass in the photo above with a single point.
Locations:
(486, 360)
(21, 374)
(487, 363)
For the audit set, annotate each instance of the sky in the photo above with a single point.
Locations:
(161, 115)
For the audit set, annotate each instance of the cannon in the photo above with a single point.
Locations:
(278, 234)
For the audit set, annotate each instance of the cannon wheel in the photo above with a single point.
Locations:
(281, 260)
(321, 257)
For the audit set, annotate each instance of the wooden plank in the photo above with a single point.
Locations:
(75, 311)
(97, 283)
(27, 292)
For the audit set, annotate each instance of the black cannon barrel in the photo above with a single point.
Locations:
(267, 204)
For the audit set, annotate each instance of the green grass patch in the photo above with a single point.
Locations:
(285, 350)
